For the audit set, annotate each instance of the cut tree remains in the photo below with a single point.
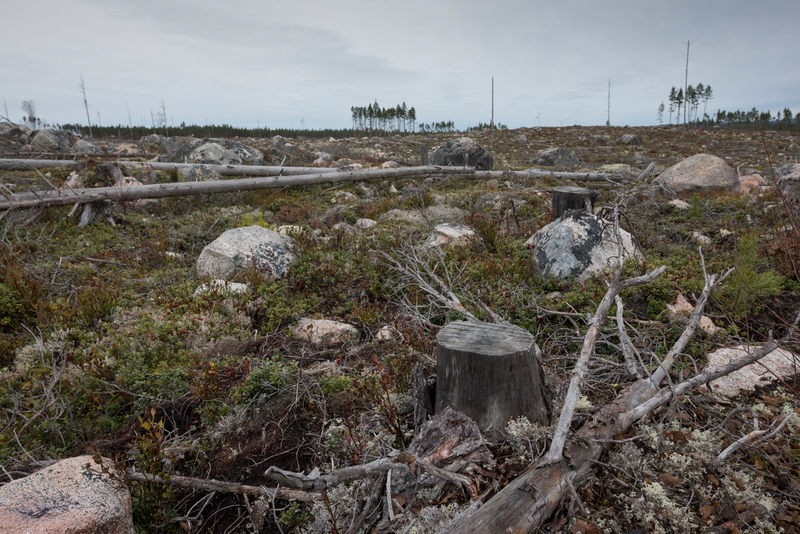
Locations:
(490, 372)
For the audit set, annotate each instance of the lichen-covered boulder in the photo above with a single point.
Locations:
(557, 157)
(578, 245)
(69, 496)
(225, 152)
(449, 234)
(700, 173)
(462, 151)
(318, 331)
(83, 146)
(788, 181)
(248, 246)
(52, 140)
(199, 173)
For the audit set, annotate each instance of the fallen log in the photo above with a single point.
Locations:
(124, 194)
(225, 170)
(539, 173)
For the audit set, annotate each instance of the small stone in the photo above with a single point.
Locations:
(318, 331)
(221, 286)
(681, 308)
(363, 224)
(700, 238)
(680, 204)
(389, 165)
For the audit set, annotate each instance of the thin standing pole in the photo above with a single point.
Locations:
(608, 121)
(686, 86)
(491, 146)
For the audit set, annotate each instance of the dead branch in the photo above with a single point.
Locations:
(319, 483)
(227, 487)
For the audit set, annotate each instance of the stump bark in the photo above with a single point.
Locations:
(490, 372)
(573, 198)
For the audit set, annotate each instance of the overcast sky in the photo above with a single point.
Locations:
(275, 63)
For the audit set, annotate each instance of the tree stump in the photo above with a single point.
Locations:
(490, 372)
(573, 198)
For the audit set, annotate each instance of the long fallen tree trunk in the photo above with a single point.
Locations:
(64, 197)
(69, 196)
(225, 170)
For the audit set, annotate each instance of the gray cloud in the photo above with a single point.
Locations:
(271, 62)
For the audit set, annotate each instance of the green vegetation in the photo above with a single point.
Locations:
(105, 343)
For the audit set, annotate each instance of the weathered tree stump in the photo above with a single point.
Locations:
(490, 373)
(573, 198)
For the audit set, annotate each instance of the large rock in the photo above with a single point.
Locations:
(777, 365)
(630, 139)
(248, 246)
(700, 173)
(83, 146)
(199, 173)
(177, 149)
(225, 152)
(69, 496)
(51, 140)
(462, 151)
(556, 157)
(579, 245)
(788, 180)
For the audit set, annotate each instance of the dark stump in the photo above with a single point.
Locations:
(573, 198)
(490, 373)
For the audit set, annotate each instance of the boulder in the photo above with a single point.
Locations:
(389, 164)
(213, 154)
(177, 149)
(620, 168)
(449, 234)
(364, 224)
(680, 204)
(700, 173)
(318, 331)
(322, 159)
(750, 183)
(199, 173)
(152, 140)
(630, 139)
(788, 180)
(556, 157)
(248, 246)
(778, 364)
(462, 151)
(69, 496)
(579, 245)
(52, 140)
(126, 149)
(82, 146)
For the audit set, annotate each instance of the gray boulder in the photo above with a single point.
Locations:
(52, 140)
(700, 173)
(788, 180)
(578, 245)
(177, 149)
(248, 246)
(213, 154)
(153, 140)
(462, 151)
(82, 146)
(247, 155)
(199, 173)
(630, 139)
(449, 234)
(557, 157)
(69, 496)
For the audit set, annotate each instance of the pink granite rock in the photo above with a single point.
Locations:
(69, 496)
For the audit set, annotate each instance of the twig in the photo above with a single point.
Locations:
(752, 437)
(226, 487)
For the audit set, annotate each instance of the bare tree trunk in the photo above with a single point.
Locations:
(123, 194)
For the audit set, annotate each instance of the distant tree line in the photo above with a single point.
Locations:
(690, 102)
(210, 130)
(482, 126)
(375, 120)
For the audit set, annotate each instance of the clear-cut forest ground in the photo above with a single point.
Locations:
(103, 336)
